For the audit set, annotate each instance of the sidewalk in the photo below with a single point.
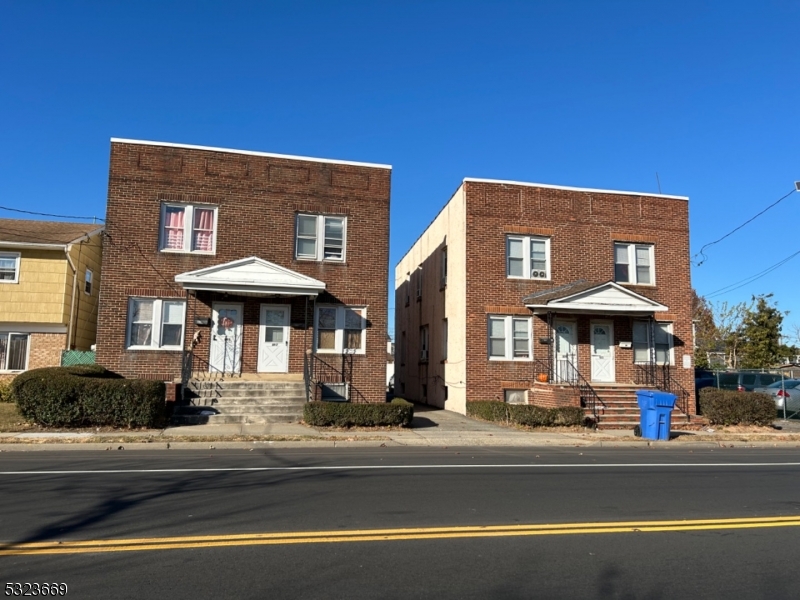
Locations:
(430, 427)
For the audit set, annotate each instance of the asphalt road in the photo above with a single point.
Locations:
(306, 523)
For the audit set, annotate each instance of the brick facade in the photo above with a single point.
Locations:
(45, 350)
(582, 227)
(257, 197)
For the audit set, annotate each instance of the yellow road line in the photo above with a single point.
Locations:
(377, 535)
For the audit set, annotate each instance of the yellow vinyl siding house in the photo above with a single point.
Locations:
(49, 289)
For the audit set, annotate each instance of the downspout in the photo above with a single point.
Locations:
(67, 248)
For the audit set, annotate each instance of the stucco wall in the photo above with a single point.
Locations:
(436, 303)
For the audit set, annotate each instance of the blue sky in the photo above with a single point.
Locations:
(594, 94)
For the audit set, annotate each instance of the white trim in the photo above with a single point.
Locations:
(340, 328)
(526, 255)
(287, 329)
(508, 325)
(632, 264)
(87, 235)
(88, 277)
(319, 237)
(27, 351)
(611, 344)
(22, 327)
(156, 325)
(188, 228)
(297, 285)
(249, 153)
(572, 189)
(17, 256)
(565, 305)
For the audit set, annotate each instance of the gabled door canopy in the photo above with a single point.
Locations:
(607, 298)
(251, 277)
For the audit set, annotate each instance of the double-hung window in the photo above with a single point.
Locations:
(319, 237)
(188, 228)
(154, 323)
(13, 351)
(660, 346)
(87, 282)
(341, 329)
(9, 267)
(527, 257)
(509, 338)
(633, 263)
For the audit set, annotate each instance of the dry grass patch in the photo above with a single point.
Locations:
(11, 420)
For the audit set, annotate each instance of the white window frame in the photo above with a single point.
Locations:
(508, 325)
(157, 324)
(188, 228)
(88, 279)
(340, 328)
(667, 327)
(424, 343)
(526, 256)
(633, 275)
(4, 366)
(16, 256)
(319, 239)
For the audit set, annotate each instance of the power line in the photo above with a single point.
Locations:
(750, 220)
(30, 212)
(752, 278)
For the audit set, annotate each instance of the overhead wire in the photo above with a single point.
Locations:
(747, 280)
(750, 220)
(41, 214)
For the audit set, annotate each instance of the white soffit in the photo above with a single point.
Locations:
(606, 298)
(251, 276)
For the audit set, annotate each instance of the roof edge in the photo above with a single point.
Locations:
(249, 153)
(572, 188)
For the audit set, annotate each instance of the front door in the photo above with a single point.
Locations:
(566, 354)
(602, 340)
(225, 355)
(273, 339)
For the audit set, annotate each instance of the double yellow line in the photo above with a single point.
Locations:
(383, 535)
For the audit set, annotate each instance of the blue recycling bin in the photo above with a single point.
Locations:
(655, 413)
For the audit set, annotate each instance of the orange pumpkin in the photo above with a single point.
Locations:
(542, 377)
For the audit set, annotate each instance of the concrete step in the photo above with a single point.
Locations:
(248, 409)
(226, 419)
(247, 385)
(248, 401)
(246, 393)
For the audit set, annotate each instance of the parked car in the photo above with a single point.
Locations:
(745, 381)
(703, 379)
(787, 391)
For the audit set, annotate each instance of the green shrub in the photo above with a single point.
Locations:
(88, 395)
(346, 414)
(5, 391)
(729, 407)
(526, 414)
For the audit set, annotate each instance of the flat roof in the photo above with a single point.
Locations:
(250, 153)
(573, 189)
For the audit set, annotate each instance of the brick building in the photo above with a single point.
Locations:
(236, 263)
(547, 295)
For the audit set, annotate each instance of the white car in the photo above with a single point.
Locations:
(787, 391)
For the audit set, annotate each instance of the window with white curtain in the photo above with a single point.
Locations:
(188, 228)
(155, 323)
(319, 237)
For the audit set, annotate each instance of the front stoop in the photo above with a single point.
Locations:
(241, 401)
(619, 409)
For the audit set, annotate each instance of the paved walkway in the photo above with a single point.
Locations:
(430, 427)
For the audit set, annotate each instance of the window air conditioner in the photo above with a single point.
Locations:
(539, 274)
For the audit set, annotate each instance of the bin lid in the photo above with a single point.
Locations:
(664, 399)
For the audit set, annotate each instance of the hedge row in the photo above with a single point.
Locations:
(346, 414)
(88, 395)
(525, 414)
(5, 391)
(729, 407)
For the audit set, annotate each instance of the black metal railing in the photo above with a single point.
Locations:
(330, 379)
(660, 377)
(563, 371)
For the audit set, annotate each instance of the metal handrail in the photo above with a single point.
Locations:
(660, 377)
(567, 373)
(317, 372)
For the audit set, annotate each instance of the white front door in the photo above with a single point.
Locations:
(566, 354)
(602, 340)
(273, 339)
(225, 355)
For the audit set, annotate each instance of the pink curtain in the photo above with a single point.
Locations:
(173, 228)
(204, 229)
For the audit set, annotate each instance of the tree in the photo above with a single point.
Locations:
(729, 319)
(760, 334)
(706, 334)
